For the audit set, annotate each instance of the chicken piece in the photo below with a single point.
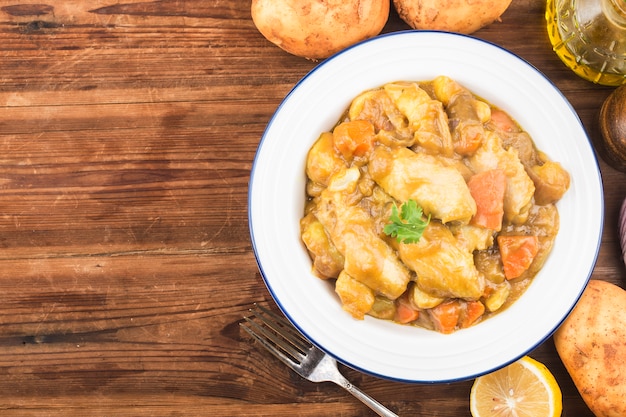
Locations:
(323, 160)
(440, 190)
(465, 126)
(327, 261)
(367, 257)
(551, 180)
(356, 298)
(426, 117)
(444, 268)
(520, 189)
(446, 89)
(512, 135)
(498, 296)
(471, 237)
(463, 119)
(489, 263)
(377, 107)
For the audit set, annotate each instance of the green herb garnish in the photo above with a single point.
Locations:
(408, 225)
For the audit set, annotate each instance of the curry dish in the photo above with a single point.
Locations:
(426, 205)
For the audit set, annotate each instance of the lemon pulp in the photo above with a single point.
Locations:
(525, 388)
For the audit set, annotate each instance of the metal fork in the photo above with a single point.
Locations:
(279, 337)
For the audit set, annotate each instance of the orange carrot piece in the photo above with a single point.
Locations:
(354, 138)
(446, 316)
(487, 188)
(405, 313)
(474, 310)
(503, 121)
(517, 253)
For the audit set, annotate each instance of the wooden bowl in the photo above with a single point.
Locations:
(613, 128)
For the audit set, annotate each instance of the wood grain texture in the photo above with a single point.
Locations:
(127, 135)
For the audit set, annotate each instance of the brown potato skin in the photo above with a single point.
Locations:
(316, 29)
(592, 345)
(461, 16)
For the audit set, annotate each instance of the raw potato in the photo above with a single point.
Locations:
(592, 345)
(316, 29)
(462, 16)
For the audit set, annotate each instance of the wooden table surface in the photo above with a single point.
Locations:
(127, 135)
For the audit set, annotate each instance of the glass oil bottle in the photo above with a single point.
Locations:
(590, 38)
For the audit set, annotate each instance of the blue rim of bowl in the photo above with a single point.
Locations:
(268, 284)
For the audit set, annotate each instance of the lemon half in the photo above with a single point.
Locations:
(525, 388)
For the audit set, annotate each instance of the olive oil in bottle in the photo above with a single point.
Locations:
(590, 38)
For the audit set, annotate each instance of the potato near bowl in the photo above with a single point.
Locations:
(400, 67)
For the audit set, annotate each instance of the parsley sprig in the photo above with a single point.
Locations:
(408, 225)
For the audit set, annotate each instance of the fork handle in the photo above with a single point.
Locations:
(377, 407)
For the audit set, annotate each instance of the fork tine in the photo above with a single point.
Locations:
(263, 336)
(283, 327)
(276, 335)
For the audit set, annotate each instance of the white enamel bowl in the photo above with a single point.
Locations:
(276, 200)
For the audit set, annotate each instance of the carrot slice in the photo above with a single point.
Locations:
(446, 316)
(487, 188)
(354, 138)
(405, 314)
(517, 253)
(503, 121)
(474, 310)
